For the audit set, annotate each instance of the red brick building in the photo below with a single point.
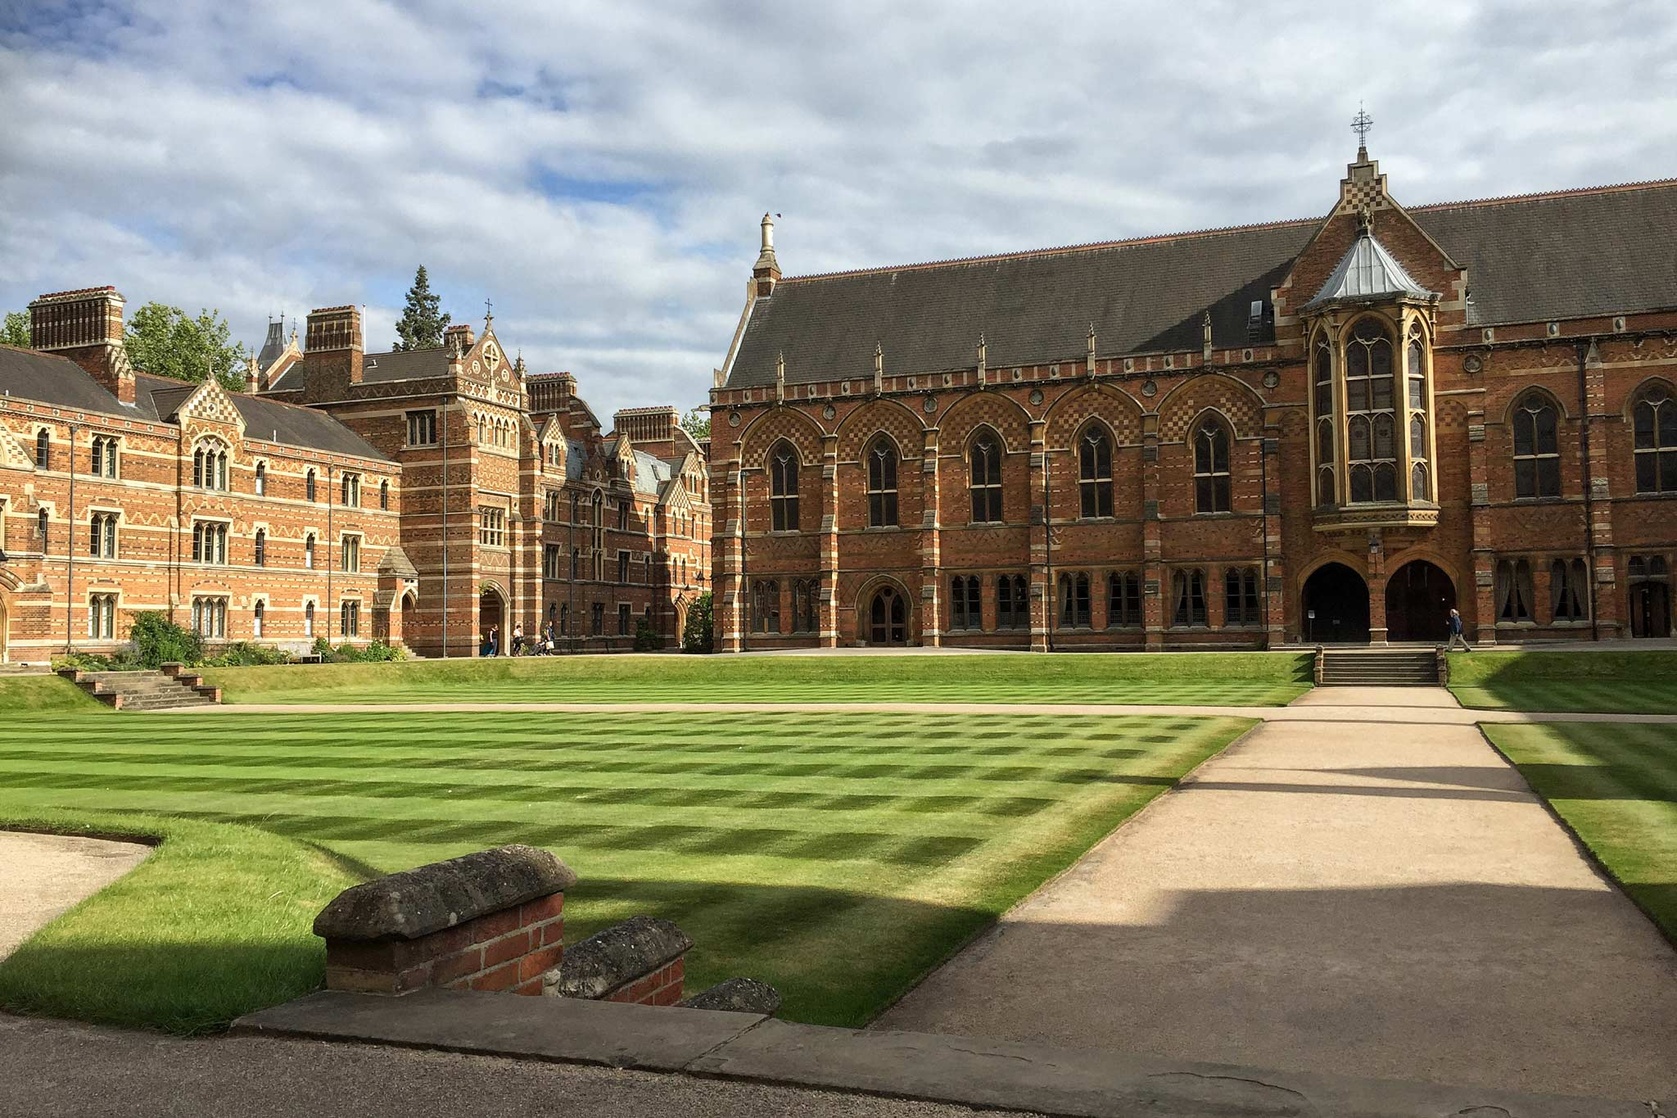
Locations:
(244, 518)
(346, 495)
(1299, 431)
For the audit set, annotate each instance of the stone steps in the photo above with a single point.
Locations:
(172, 687)
(1373, 668)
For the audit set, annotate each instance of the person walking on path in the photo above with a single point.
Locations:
(1456, 636)
(493, 648)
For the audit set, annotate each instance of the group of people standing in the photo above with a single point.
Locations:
(543, 644)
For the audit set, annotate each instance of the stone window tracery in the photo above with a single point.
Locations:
(966, 605)
(1013, 603)
(783, 487)
(1094, 471)
(1327, 439)
(984, 478)
(1655, 422)
(1370, 424)
(1123, 604)
(1537, 452)
(1211, 467)
(882, 483)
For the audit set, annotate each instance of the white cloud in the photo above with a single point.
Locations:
(605, 188)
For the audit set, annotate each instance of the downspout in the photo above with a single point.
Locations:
(70, 554)
(341, 633)
(1583, 348)
(444, 412)
(1263, 525)
(1053, 606)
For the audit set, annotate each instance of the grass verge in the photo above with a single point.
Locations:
(1606, 682)
(45, 694)
(1253, 678)
(839, 858)
(1615, 785)
(214, 923)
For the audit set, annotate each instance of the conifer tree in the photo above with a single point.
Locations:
(422, 323)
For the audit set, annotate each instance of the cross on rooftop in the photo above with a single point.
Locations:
(1360, 124)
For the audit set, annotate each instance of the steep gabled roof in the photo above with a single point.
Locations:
(1528, 259)
(1367, 271)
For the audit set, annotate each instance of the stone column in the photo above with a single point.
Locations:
(1611, 610)
(1155, 598)
(1042, 594)
(829, 542)
(931, 553)
(1275, 571)
(1484, 556)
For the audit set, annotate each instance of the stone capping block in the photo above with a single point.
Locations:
(617, 957)
(431, 898)
(737, 995)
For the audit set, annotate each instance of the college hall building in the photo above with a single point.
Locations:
(1332, 429)
(417, 498)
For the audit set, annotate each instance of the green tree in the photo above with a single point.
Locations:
(16, 330)
(165, 342)
(697, 424)
(699, 634)
(422, 323)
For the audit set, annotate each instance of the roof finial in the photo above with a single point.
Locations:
(1361, 124)
(488, 314)
(878, 369)
(780, 377)
(983, 356)
(1089, 351)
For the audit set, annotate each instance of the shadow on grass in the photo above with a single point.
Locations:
(1606, 682)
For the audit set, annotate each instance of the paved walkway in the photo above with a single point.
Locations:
(1335, 897)
(42, 876)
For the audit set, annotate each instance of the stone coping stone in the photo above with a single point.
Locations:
(979, 1073)
(613, 1034)
(428, 899)
(616, 956)
(737, 995)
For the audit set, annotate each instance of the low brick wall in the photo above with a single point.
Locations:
(641, 961)
(494, 920)
(662, 987)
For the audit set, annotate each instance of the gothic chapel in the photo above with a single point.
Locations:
(1325, 430)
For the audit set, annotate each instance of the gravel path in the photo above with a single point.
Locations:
(42, 876)
(1332, 897)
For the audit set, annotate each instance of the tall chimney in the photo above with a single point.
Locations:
(332, 352)
(86, 327)
(766, 272)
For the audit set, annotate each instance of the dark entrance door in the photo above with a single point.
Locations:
(489, 618)
(1650, 609)
(888, 618)
(1338, 597)
(1419, 598)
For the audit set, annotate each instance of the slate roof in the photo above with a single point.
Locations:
(50, 379)
(1529, 259)
(376, 368)
(1367, 271)
(650, 473)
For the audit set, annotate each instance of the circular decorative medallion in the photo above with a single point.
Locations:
(930, 405)
(1472, 363)
(828, 412)
(733, 419)
(1271, 379)
(1036, 395)
(1151, 388)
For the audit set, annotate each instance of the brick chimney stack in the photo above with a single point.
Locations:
(332, 352)
(86, 327)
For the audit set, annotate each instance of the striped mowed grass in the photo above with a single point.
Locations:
(837, 856)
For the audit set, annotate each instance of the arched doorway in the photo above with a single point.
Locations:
(887, 617)
(5, 628)
(1419, 598)
(1335, 605)
(491, 615)
(1649, 597)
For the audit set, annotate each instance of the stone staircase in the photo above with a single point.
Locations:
(171, 687)
(1371, 667)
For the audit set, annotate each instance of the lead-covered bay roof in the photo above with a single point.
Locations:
(1592, 252)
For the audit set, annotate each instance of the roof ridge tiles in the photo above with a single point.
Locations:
(1536, 195)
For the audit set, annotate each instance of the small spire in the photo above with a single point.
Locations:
(1089, 351)
(780, 377)
(983, 354)
(1205, 333)
(878, 368)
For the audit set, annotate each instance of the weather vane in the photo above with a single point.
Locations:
(1360, 124)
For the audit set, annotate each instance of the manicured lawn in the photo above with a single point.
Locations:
(1251, 679)
(45, 694)
(1615, 784)
(839, 857)
(1609, 682)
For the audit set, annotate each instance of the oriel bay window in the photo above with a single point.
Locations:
(1327, 438)
(881, 460)
(783, 488)
(1415, 400)
(1370, 421)
(1372, 435)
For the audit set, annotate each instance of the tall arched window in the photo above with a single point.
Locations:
(261, 478)
(384, 495)
(258, 614)
(43, 449)
(882, 483)
(1415, 397)
(209, 466)
(1094, 471)
(1327, 441)
(1369, 415)
(783, 487)
(308, 486)
(261, 552)
(1537, 452)
(984, 477)
(308, 619)
(1655, 420)
(308, 551)
(1211, 467)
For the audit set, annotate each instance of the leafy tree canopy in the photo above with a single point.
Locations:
(697, 424)
(16, 329)
(165, 342)
(423, 322)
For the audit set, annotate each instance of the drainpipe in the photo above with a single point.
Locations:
(1263, 525)
(1583, 349)
(1053, 603)
(443, 412)
(329, 552)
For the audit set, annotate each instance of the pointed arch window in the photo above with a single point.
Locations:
(1569, 590)
(1415, 401)
(308, 486)
(1094, 471)
(1370, 417)
(984, 477)
(783, 487)
(1514, 591)
(43, 449)
(882, 484)
(1655, 423)
(1327, 440)
(1537, 452)
(1211, 467)
(209, 466)
(261, 478)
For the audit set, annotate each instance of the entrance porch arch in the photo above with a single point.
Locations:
(885, 615)
(1338, 598)
(1419, 598)
(492, 616)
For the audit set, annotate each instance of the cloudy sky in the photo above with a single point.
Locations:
(598, 169)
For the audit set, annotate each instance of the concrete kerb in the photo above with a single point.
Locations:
(949, 1069)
